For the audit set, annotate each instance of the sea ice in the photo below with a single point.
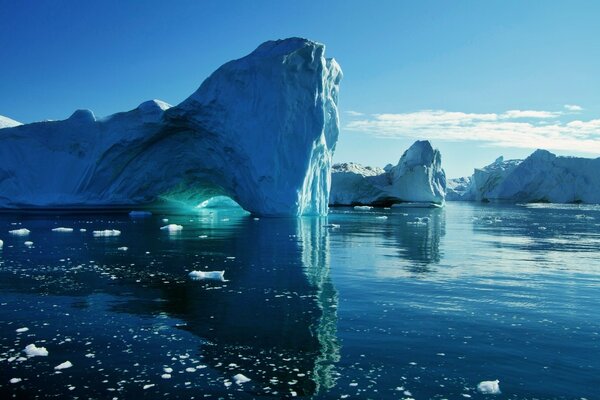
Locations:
(20, 232)
(21, 330)
(172, 228)
(28, 243)
(32, 350)
(363, 207)
(239, 379)
(489, 387)
(209, 275)
(123, 248)
(1, 244)
(65, 365)
(62, 229)
(15, 380)
(107, 232)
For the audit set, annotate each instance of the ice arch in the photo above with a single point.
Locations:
(261, 129)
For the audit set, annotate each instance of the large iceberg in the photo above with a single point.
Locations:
(417, 178)
(261, 130)
(541, 177)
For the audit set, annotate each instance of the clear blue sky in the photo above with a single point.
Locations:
(477, 58)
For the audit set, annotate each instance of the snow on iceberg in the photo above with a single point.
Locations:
(31, 350)
(261, 130)
(208, 275)
(20, 232)
(541, 177)
(417, 178)
(489, 387)
(6, 122)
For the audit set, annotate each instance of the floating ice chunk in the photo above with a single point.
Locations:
(209, 275)
(165, 220)
(190, 369)
(83, 230)
(362, 207)
(65, 365)
(201, 237)
(107, 232)
(28, 243)
(62, 230)
(90, 355)
(32, 351)
(489, 387)
(21, 330)
(15, 380)
(166, 376)
(333, 226)
(148, 386)
(20, 232)
(239, 379)
(1, 244)
(140, 214)
(172, 228)
(381, 217)
(168, 370)
(124, 248)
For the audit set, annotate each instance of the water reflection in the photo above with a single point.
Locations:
(274, 320)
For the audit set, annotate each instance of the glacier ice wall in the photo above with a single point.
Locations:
(541, 177)
(418, 177)
(261, 129)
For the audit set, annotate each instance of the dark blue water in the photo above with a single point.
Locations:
(396, 307)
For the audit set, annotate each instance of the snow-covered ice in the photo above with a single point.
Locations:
(172, 228)
(208, 275)
(15, 380)
(20, 232)
(31, 350)
(62, 229)
(64, 365)
(6, 122)
(21, 330)
(418, 178)
(264, 138)
(240, 378)
(28, 243)
(489, 387)
(107, 232)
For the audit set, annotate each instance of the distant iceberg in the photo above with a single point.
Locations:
(541, 177)
(417, 178)
(261, 129)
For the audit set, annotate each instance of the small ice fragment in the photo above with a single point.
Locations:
(190, 369)
(90, 355)
(140, 214)
(107, 232)
(83, 230)
(62, 229)
(381, 217)
(65, 365)
(362, 207)
(148, 386)
(124, 248)
(28, 243)
(489, 387)
(165, 220)
(172, 228)
(32, 350)
(15, 380)
(166, 376)
(203, 236)
(20, 232)
(168, 370)
(210, 275)
(239, 379)
(21, 330)
(1, 244)
(333, 226)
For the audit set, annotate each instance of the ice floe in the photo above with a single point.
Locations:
(21, 330)
(32, 351)
(208, 275)
(64, 365)
(489, 387)
(20, 232)
(107, 233)
(15, 380)
(240, 378)
(62, 230)
(172, 228)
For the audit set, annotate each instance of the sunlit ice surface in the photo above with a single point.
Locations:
(424, 303)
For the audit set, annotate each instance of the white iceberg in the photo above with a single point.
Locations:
(240, 378)
(6, 122)
(207, 275)
(64, 365)
(261, 130)
(172, 228)
(62, 230)
(20, 232)
(107, 233)
(417, 178)
(21, 330)
(32, 350)
(489, 387)
(541, 177)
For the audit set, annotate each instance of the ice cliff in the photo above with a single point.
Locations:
(418, 177)
(541, 177)
(261, 129)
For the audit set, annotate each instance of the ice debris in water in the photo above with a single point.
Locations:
(15, 380)
(362, 207)
(62, 230)
(489, 387)
(28, 243)
(172, 228)
(148, 386)
(124, 248)
(381, 217)
(65, 365)
(239, 379)
(21, 330)
(107, 232)
(139, 214)
(333, 226)
(20, 232)
(32, 351)
(1, 244)
(212, 275)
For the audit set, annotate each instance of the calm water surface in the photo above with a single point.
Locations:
(402, 303)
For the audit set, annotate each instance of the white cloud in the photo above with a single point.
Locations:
(573, 107)
(354, 113)
(514, 128)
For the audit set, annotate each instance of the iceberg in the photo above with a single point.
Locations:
(489, 387)
(417, 178)
(541, 177)
(208, 275)
(31, 350)
(6, 122)
(261, 130)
